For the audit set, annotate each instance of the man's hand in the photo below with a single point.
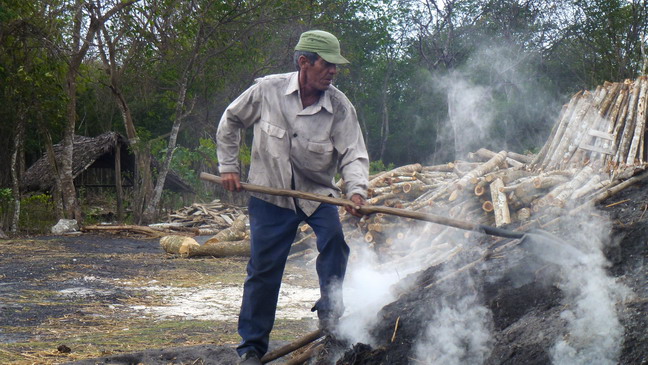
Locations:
(231, 181)
(358, 201)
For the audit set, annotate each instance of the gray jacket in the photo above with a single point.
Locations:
(291, 144)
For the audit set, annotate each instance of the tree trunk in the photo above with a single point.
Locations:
(79, 50)
(54, 169)
(150, 211)
(71, 208)
(143, 187)
(15, 168)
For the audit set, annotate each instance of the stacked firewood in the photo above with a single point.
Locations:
(205, 219)
(497, 189)
(605, 128)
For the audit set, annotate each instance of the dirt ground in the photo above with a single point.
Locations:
(65, 299)
(106, 300)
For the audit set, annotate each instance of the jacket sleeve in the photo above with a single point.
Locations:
(240, 114)
(353, 158)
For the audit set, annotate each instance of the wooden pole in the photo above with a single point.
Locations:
(118, 183)
(370, 209)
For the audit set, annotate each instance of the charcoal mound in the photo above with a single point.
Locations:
(526, 309)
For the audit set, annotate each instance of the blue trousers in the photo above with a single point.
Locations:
(273, 230)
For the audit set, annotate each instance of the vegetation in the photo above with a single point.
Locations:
(431, 79)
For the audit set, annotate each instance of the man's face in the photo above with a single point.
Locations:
(319, 75)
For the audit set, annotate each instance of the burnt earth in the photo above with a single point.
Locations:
(523, 306)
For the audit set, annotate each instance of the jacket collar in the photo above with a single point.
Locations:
(324, 101)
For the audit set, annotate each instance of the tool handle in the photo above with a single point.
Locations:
(370, 209)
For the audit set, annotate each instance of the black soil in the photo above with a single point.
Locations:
(526, 310)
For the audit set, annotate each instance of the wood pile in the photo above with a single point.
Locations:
(596, 148)
(204, 219)
(605, 128)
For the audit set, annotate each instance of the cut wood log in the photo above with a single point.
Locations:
(397, 171)
(619, 124)
(297, 344)
(179, 245)
(235, 232)
(500, 204)
(591, 117)
(539, 158)
(488, 154)
(224, 249)
(594, 184)
(640, 124)
(559, 151)
(480, 170)
(628, 125)
(546, 154)
(547, 182)
(559, 199)
(523, 214)
(148, 231)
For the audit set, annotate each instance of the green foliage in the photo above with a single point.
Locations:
(379, 166)
(401, 56)
(37, 214)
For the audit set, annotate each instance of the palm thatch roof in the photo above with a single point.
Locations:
(91, 152)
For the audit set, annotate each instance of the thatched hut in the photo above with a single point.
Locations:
(97, 160)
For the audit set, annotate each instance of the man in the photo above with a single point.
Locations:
(305, 131)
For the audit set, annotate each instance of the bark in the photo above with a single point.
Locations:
(552, 144)
(638, 134)
(150, 211)
(628, 126)
(179, 245)
(127, 229)
(224, 249)
(19, 136)
(500, 204)
(143, 177)
(80, 48)
(54, 169)
(482, 169)
(571, 125)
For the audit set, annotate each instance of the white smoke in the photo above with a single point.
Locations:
(367, 289)
(592, 297)
(458, 333)
(470, 112)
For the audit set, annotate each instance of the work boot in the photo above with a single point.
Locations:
(250, 358)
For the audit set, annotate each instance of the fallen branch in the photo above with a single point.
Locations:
(295, 345)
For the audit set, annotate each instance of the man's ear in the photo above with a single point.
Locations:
(302, 61)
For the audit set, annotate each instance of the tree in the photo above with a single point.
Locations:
(29, 73)
(80, 44)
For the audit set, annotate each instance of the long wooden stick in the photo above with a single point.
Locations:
(285, 350)
(371, 209)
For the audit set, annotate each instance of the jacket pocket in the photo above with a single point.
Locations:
(319, 155)
(272, 140)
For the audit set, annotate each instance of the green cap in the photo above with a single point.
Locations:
(323, 43)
